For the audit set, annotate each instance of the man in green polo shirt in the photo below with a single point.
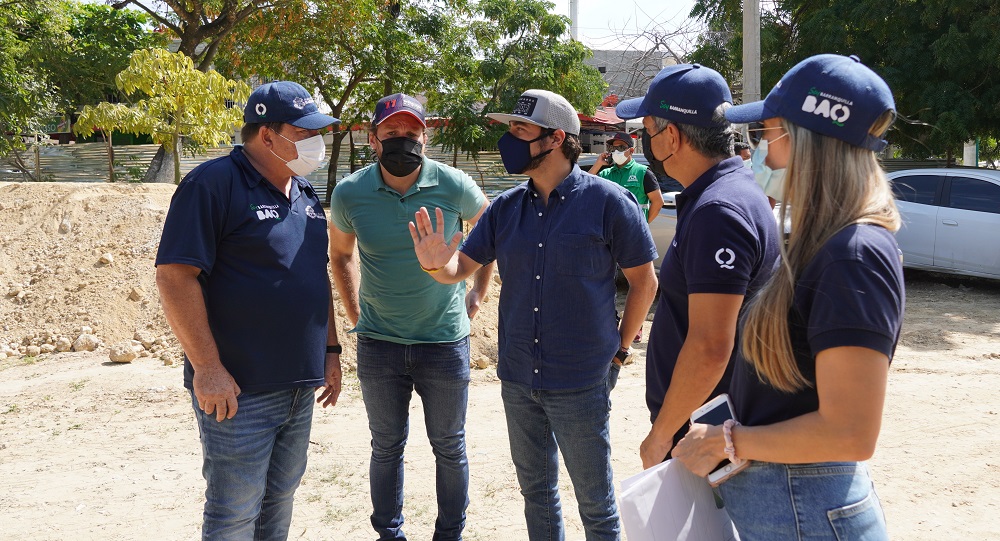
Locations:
(630, 174)
(413, 332)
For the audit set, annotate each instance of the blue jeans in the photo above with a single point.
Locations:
(389, 373)
(576, 422)
(825, 501)
(253, 464)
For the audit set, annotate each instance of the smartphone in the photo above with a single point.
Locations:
(715, 412)
(608, 160)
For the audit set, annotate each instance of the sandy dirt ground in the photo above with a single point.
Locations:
(92, 449)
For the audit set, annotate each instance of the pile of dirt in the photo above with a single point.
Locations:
(77, 273)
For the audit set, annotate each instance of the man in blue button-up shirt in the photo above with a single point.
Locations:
(556, 240)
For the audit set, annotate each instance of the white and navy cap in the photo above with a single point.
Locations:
(829, 94)
(285, 101)
(545, 109)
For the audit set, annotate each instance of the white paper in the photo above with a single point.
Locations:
(669, 503)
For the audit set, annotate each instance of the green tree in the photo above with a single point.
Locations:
(101, 39)
(940, 57)
(201, 25)
(513, 45)
(25, 97)
(178, 102)
(351, 52)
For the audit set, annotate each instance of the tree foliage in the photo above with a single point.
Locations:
(940, 57)
(82, 69)
(24, 96)
(176, 102)
(467, 58)
(201, 25)
(512, 45)
(56, 56)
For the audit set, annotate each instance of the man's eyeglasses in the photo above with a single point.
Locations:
(622, 148)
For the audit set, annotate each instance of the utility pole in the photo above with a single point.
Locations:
(751, 51)
(574, 18)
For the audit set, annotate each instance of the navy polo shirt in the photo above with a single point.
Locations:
(850, 294)
(726, 242)
(557, 263)
(263, 261)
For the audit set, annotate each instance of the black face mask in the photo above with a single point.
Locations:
(401, 155)
(654, 163)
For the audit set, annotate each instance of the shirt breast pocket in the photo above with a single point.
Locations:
(580, 255)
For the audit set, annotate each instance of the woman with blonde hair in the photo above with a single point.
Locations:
(819, 337)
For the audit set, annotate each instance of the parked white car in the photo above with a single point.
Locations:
(951, 220)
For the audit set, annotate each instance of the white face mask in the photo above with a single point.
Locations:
(619, 157)
(311, 153)
(771, 180)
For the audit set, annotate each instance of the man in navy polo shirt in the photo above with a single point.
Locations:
(724, 248)
(242, 275)
(413, 333)
(556, 240)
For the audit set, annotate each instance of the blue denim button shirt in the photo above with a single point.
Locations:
(557, 263)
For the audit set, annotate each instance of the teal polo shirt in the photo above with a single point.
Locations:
(399, 302)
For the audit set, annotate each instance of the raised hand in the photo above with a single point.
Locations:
(433, 252)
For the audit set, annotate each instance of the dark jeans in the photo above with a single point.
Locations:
(576, 422)
(389, 373)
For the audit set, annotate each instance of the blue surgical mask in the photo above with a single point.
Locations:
(516, 153)
(771, 180)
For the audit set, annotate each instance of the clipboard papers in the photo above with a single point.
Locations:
(669, 503)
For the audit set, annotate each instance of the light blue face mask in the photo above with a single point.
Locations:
(771, 180)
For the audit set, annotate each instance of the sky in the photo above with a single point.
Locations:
(601, 21)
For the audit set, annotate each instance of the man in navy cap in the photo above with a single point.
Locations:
(413, 333)
(556, 239)
(629, 174)
(724, 248)
(242, 275)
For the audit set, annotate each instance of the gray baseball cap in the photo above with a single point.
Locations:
(545, 109)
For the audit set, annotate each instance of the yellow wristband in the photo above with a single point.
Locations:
(429, 271)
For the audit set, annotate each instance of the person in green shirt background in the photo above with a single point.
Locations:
(630, 174)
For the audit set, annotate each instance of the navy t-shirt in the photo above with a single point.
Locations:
(263, 261)
(850, 294)
(726, 242)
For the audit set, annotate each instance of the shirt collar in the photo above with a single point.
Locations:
(565, 188)
(717, 171)
(253, 177)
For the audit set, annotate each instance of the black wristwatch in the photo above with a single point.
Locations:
(334, 349)
(623, 357)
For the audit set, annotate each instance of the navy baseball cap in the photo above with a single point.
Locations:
(398, 103)
(682, 93)
(620, 136)
(285, 101)
(829, 94)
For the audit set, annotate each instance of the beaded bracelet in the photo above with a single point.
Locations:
(727, 433)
